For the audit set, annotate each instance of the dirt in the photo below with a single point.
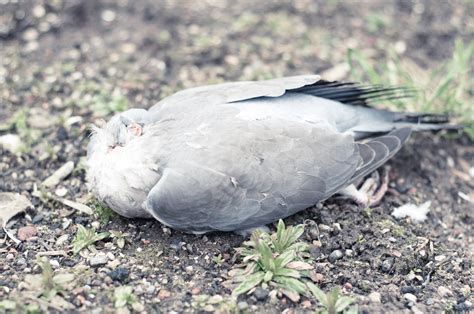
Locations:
(69, 63)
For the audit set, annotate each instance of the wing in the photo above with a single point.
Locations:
(234, 91)
(230, 174)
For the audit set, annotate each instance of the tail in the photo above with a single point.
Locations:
(423, 121)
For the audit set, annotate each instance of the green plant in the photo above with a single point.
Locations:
(279, 260)
(215, 303)
(85, 238)
(447, 89)
(102, 212)
(218, 260)
(333, 302)
(104, 105)
(124, 296)
(48, 284)
(119, 237)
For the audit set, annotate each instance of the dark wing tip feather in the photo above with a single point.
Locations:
(354, 93)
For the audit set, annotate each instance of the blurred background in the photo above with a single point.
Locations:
(106, 55)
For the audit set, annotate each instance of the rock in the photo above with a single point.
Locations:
(387, 264)
(99, 259)
(335, 255)
(444, 292)
(26, 232)
(12, 143)
(30, 34)
(119, 274)
(242, 305)
(410, 297)
(408, 289)
(375, 297)
(261, 294)
(59, 175)
(315, 251)
(54, 263)
(164, 294)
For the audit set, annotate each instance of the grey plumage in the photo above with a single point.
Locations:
(240, 155)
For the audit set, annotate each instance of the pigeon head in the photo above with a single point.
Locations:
(118, 132)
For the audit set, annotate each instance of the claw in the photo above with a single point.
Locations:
(370, 192)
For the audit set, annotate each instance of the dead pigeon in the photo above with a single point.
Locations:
(240, 155)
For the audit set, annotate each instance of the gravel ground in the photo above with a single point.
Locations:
(66, 64)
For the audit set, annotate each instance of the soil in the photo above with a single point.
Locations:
(69, 63)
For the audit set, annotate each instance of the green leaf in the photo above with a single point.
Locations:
(7, 305)
(268, 276)
(342, 303)
(285, 258)
(290, 284)
(286, 272)
(252, 281)
(318, 294)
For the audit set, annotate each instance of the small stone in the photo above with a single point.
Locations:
(119, 274)
(108, 16)
(408, 289)
(99, 259)
(335, 255)
(410, 297)
(375, 297)
(444, 292)
(30, 34)
(12, 143)
(387, 265)
(61, 192)
(21, 261)
(36, 219)
(315, 251)
(164, 294)
(150, 290)
(261, 294)
(26, 232)
(242, 305)
(54, 263)
(195, 291)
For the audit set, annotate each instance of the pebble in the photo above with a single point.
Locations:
(61, 192)
(261, 294)
(12, 143)
(30, 34)
(54, 263)
(150, 290)
(21, 261)
(36, 219)
(99, 259)
(410, 297)
(375, 297)
(242, 305)
(335, 255)
(315, 251)
(163, 294)
(444, 292)
(387, 265)
(119, 274)
(26, 232)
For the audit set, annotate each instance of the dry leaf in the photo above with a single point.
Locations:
(299, 265)
(11, 204)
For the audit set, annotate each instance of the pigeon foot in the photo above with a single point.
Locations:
(370, 192)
